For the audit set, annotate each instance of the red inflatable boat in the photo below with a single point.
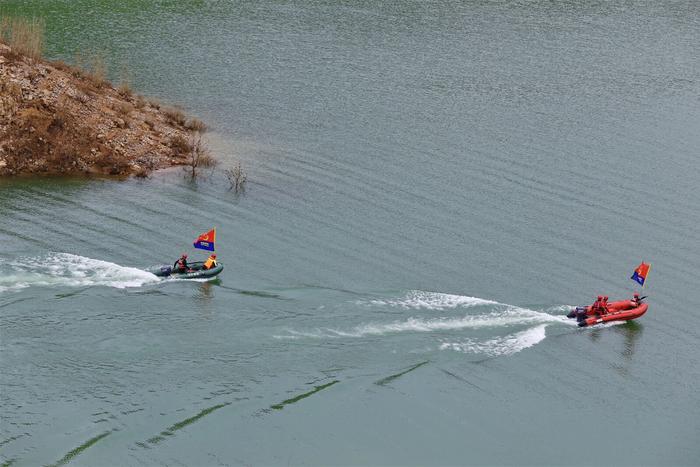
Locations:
(623, 310)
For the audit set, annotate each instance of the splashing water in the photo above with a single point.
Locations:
(498, 346)
(416, 299)
(485, 319)
(495, 319)
(65, 269)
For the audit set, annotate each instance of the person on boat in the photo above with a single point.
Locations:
(636, 299)
(604, 305)
(210, 262)
(181, 264)
(595, 308)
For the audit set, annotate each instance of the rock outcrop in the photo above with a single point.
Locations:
(59, 119)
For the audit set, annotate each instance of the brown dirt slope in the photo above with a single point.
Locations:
(58, 119)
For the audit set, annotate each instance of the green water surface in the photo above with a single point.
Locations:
(431, 186)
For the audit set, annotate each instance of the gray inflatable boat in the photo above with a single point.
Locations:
(195, 271)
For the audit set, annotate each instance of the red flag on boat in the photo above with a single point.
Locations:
(640, 274)
(206, 240)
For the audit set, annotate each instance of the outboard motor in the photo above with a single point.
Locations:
(581, 314)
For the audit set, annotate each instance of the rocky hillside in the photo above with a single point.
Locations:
(59, 119)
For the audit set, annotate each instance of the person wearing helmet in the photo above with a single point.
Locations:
(597, 305)
(210, 262)
(181, 264)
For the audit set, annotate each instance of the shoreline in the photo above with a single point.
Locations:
(60, 120)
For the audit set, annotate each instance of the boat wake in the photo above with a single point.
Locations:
(65, 269)
(498, 346)
(496, 319)
(417, 299)
(483, 327)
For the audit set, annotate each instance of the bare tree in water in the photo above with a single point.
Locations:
(236, 177)
(198, 156)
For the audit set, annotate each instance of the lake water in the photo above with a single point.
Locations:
(431, 186)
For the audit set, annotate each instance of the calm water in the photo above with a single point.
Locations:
(431, 185)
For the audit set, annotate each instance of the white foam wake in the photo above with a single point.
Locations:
(503, 329)
(511, 316)
(499, 346)
(65, 269)
(418, 299)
